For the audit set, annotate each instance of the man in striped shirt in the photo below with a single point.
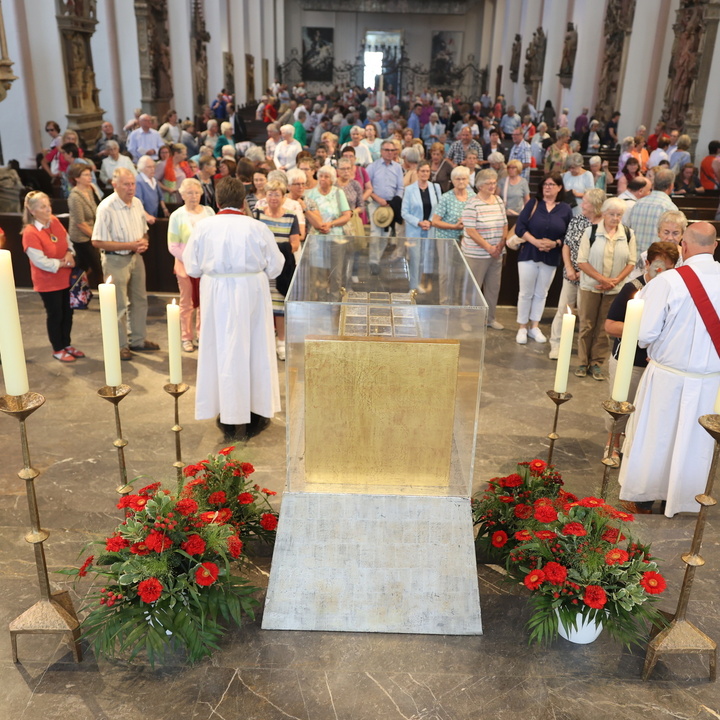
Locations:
(121, 234)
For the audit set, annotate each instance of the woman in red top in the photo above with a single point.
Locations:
(46, 244)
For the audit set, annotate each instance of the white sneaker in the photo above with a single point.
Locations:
(280, 349)
(495, 325)
(521, 337)
(554, 352)
(536, 335)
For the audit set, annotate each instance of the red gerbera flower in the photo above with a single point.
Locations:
(523, 535)
(246, 498)
(610, 535)
(523, 511)
(555, 573)
(595, 597)
(134, 502)
(218, 517)
(268, 521)
(116, 543)
(82, 572)
(150, 590)
(534, 579)
(149, 489)
(621, 514)
(565, 496)
(591, 502)
(186, 506)
(537, 467)
(247, 468)
(207, 574)
(499, 538)
(506, 499)
(653, 582)
(545, 513)
(235, 545)
(616, 556)
(226, 451)
(194, 545)
(513, 480)
(217, 498)
(157, 541)
(545, 535)
(268, 492)
(574, 528)
(543, 501)
(139, 548)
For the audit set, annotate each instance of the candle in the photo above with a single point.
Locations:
(11, 344)
(174, 345)
(628, 344)
(717, 403)
(563, 363)
(110, 333)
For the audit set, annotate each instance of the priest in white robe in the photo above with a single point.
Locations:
(235, 256)
(667, 453)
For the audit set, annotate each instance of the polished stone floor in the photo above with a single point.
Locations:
(269, 675)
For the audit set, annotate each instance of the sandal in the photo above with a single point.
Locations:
(64, 356)
(70, 350)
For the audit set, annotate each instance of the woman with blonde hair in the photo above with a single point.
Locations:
(180, 227)
(51, 256)
(514, 188)
(440, 167)
(82, 208)
(557, 153)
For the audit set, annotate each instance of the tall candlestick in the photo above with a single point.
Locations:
(628, 344)
(11, 344)
(563, 363)
(110, 335)
(174, 344)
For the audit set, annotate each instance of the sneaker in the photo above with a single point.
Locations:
(536, 335)
(147, 346)
(187, 346)
(355, 279)
(554, 352)
(581, 371)
(280, 349)
(495, 325)
(522, 336)
(596, 372)
(64, 356)
(70, 350)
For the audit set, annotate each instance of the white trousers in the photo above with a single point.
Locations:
(535, 279)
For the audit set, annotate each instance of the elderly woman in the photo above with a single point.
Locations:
(577, 181)
(287, 149)
(114, 160)
(590, 207)
(82, 206)
(207, 166)
(285, 228)
(362, 152)
(372, 140)
(171, 172)
(418, 203)
(180, 227)
(557, 153)
(483, 243)
(210, 137)
(257, 190)
(628, 174)
(226, 138)
(410, 159)
(606, 257)
(681, 156)
(590, 141)
(331, 143)
(472, 163)
(440, 167)
(626, 152)
(51, 259)
(514, 189)
(433, 131)
(602, 177)
(148, 190)
(351, 187)
(496, 160)
(536, 144)
(541, 226)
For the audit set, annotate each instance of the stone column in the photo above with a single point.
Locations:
(511, 25)
(200, 39)
(154, 50)
(254, 49)
(269, 51)
(531, 17)
(555, 18)
(184, 63)
(488, 10)
(217, 29)
(236, 24)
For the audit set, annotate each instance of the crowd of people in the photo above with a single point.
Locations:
(421, 171)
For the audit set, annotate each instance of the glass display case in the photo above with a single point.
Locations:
(383, 382)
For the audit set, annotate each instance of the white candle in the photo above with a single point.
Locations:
(628, 345)
(110, 334)
(563, 363)
(174, 344)
(717, 403)
(11, 344)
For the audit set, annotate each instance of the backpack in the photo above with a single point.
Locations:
(594, 230)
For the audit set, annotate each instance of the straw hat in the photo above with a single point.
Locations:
(383, 216)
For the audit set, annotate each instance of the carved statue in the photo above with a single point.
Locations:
(529, 62)
(200, 70)
(515, 59)
(541, 43)
(567, 63)
(159, 49)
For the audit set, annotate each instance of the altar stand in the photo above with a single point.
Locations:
(383, 389)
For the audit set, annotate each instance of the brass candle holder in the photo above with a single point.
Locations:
(681, 637)
(176, 390)
(558, 399)
(54, 613)
(616, 410)
(114, 394)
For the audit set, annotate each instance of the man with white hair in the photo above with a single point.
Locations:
(108, 134)
(113, 161)
(287, 149)
(667, 453)
(144, 140)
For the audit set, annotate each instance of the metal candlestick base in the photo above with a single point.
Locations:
(176, 390)
(616, 410)
(681, 637)
(558, 399)
(115, 394)
(53, 614)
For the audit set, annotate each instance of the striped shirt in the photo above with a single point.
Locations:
(643, 217)
(488, 219)
(521, 152)
(117, 222)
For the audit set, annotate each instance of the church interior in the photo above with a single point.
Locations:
(157, 55)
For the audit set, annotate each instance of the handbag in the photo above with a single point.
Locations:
(80, 292)
(513, 241)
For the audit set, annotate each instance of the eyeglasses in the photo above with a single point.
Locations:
(298, 184)
(550, 185)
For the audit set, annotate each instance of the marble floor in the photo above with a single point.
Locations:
(269, 675)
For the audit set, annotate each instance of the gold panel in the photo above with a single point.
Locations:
(379, 411)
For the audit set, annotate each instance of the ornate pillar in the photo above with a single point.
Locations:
(76, 22)
(695, 40)
(200, 39)
(511, 25)
(6, 76)
(555, 18)
(154, 49)
(531, 16)
(618, 26)
(268, 60)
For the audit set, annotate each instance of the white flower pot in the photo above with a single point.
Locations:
(587, 630)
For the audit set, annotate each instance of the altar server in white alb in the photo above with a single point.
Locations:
(669, 452)
(235, 256)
